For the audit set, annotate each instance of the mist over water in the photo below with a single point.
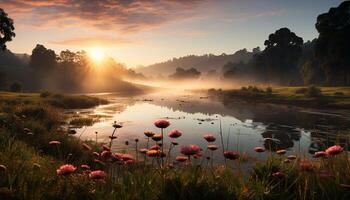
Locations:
(244, 126)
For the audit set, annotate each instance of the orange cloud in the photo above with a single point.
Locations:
(93, 41)
(121, 15)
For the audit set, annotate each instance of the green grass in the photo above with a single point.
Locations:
(330, 97)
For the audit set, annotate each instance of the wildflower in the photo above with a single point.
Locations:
(97, 174)
(152, 153)
(106, 154)
(174, 133)
(149, 133)
(231, 155)
(26, 130)
(96, 154)
(3, 168)
(209, 138)
(286, 161)
(334, 150)
(54, 142)
(99, 162)
(161, 123)
(144, 150)
(170, 166)
(115, 125)
(174, 143)
(128, 162)
(212, 147)
(320, 154)
(65, 169)
(181, 158)
(36, 165)
(306, 166)
(259, 149)
(30, 133)
(278, 174)
(281, 152)
(154, 147)
(106, 148)
(86, 146)
(157, 137)
(86, 167)
(190, 149)
(291, 157)
(127, 157)
(197, 155)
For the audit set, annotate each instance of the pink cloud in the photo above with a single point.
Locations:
(93, 41)
(121, 15)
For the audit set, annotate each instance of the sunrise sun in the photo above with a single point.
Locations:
(96, 54)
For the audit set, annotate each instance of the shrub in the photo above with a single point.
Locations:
(313, 91)
(16, 87)
(45, 94)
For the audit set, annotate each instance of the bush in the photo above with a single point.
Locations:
(16, 87)
(45, 94)
(314, 91)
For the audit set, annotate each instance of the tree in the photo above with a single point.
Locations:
(181, 73)
(42, 59)
(278, 62)
(16, 87)
(6, 29)
(333, 44)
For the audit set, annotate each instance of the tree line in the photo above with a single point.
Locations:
(287, 60)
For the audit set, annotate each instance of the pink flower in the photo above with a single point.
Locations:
(306, 166)
(143, 150)
(333, 150)
(209, 138)
(231, 155)
(127, 157)
(106, 154)
(99, 162)
(291, 157)
(278, 174)
(161, 123)
(96, 154)
(190, 149)
(65, 169)
(98, 174)
(197, 155)
(154, 147)
(85, 166)
(174, 133)
(157, 137)
(320, 154)
(281, 152)
(148, 133)
(181, 158)
(212, 147)
(286, 161)
(54, 142)
(259, 149)
(152, 153)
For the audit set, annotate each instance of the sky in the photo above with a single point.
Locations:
(143, 32)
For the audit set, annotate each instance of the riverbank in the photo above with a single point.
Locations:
(40, 160)
(305, 97)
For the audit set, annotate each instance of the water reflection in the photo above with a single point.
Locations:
(244, 126)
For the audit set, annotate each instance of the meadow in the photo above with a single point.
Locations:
(39, 159)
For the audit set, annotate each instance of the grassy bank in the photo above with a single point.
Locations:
(34, 147)
(314, 97)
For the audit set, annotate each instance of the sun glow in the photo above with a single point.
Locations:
(96, 54)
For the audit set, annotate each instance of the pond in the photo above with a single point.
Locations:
(244, 126)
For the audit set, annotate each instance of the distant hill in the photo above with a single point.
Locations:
(203, 63)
